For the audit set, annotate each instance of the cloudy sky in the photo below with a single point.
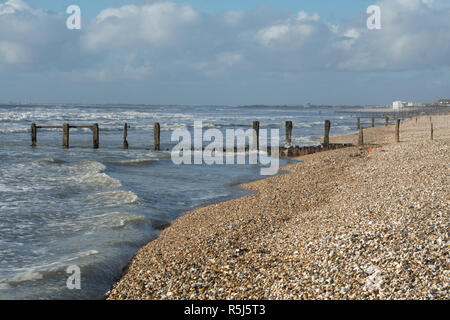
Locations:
(224, 52)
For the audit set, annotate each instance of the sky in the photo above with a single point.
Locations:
(219, 52)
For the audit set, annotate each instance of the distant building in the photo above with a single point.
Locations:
(398, 105)
(414, 104)
(443, 102)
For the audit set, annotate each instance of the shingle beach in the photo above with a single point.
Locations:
(365, 222)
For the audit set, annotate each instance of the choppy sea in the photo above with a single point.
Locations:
(95, 208)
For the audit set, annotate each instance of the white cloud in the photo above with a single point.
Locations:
(13, 53)
(304, 16)
(156, 24)
(12, 6)
(233, 17)
(172, 41)
(269, 34)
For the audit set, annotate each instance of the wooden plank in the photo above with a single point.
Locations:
(157, 136)
(33, 134)
(361, 137)
(65, 136)
(288, 132)
(326, 137)
(95, 136)
(397, 131)
(49, 127)
(125, 134)
(256, 133)
(82, 127)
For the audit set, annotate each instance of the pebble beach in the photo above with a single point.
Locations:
(364, 222)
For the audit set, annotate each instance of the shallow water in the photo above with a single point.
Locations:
(95, 208)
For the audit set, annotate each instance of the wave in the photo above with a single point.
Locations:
(117, 220)
(22, 277)
(92, 175)
(136, 161)
(114, 198)
(51, 160)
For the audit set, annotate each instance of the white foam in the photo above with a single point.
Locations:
(116, 220)
(91, 174)
(21, 277)
(113, 198)
(136, 161)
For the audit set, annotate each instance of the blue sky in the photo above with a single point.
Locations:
(224, 52)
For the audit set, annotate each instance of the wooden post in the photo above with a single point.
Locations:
(373, 122)
(431, 131)
(33, 134)
(125, 134)
(397, 131)
(288, 133)
(256, 133)
(387, 121)
(358, 125)
(361, 137)
(326, 137)
(156, 135)
(65, 137)
(95, 135)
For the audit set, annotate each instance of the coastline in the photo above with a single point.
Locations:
(342, 224)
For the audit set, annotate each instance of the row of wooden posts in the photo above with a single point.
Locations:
(361, 132)
(397, 130)
(156, 133)
(372, 123)
(66, 133)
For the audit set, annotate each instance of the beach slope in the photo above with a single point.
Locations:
(366, 222)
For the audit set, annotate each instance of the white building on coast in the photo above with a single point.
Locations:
(398, 105)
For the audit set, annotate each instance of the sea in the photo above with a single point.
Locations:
(94, 208)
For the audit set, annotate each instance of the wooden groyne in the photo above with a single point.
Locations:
(359, 124)
(288, 150)
(66, 133)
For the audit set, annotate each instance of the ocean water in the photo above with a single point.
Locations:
(95, 208)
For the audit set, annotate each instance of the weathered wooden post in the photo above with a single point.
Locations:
(125, 134)
(326, 137)
(387, 121)
(95, 135)
(156, 135)
(33, 134)
(431, 131)
(361, 137)
(288, 133)
(256, 133)
(373, 122)
(397, 131)
(358, 125)
(65, 137)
